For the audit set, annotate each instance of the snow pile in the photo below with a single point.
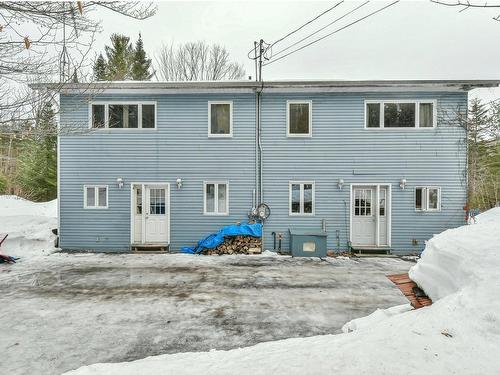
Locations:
(375, 317)
(28, 225)
(458, 334)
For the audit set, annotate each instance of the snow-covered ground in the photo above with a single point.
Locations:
(458, 334)
(28, 225)
(61, 311)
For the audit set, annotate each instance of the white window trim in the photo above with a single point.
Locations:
(426, 199)
(301, 183)
(417, 113)
(106, 113)
(230, 135)
(296, 135)
(96, 195)
(216, 198)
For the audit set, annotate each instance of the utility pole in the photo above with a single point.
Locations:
(261, 52)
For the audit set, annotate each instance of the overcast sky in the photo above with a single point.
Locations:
(410, 40)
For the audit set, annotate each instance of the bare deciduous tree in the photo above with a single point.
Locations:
(42, 40)
(197, 61)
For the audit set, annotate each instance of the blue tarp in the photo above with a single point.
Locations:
(215, 239)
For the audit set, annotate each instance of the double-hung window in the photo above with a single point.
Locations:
(299, 118)
(220, 119)
(427, 198)
(301, 198)
(95, 196)
(123, 115)
(405, 114)
(216, 198)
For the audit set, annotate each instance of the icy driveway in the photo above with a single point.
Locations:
(65, 311)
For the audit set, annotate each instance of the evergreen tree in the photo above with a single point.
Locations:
(141, 64)
(120, 57)
(37, 173)
(100, 68)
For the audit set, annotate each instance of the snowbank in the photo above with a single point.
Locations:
(28, 225)
(458, 334)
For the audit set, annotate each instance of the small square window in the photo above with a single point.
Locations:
(427, 199)
(301, 197)
(220, 119)
(95, 196)
(299, 118)
(216, 198)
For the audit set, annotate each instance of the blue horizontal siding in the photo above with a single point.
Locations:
(179, 148)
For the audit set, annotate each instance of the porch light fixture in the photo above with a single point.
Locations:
(119, 181)
(179, 183)
(402, 183)
(340, 183)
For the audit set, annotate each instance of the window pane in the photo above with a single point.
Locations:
(433, 199)
(220, 119)
(418, 198)
(210, 197)
(373, 113)
(102, 197)
(308, 199)
(295, 198)
(426, 115)
(138, 201)
(381, 203)
(123, 116)
(399, 115)
(98, 115)
(90, 197)
(299, 118)
(221, 205)
(148, 116)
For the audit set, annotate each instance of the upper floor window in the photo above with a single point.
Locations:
(427, 198)
(220, 119)
(400, 114)
(301, 198)
(299, 118)
(216, 198)
(95, 196)
(123, 115)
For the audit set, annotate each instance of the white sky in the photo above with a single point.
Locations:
(410, 40)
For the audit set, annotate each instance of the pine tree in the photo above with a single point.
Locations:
(119, 56)
(100, 68)
(37, 173)
(141, 64)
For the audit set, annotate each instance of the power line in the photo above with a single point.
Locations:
(297, 29)
(334, 32)
(305, 24)
(321, 29)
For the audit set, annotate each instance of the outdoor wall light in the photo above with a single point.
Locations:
(119, 181)
(402, 183)
(179, 183)
(340, 183)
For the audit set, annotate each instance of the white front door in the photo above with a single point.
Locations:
(364, 222)
(156, 214)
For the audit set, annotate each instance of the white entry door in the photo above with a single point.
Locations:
(364, 222)
(156, 214)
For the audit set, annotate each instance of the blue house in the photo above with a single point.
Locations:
(379, 165)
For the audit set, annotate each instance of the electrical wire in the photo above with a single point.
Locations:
(321, 29)
(333, 32)
(297, 29)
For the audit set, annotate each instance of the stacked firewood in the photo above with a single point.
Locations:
(237, 245)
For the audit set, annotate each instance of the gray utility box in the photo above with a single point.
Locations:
(305, 243)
